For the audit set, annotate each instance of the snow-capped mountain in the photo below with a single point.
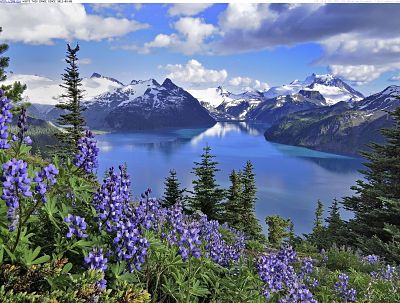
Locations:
(210, 98)
(315, 90)
(226, 105)
(340, 128)
(146, 104)
(385, 100)
(45, 91)
(333, 89)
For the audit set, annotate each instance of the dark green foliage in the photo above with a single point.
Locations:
(336, 228)
(72, 121)
(240, 206)
(278, 229)
(234, 205)
(376, 205)
(318, 234)
(173, 193)
(252, 227)
(13, 91)
(207, 195)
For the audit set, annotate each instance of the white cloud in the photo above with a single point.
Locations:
(245, 16)
(42, 23)
(85, 61)
(354, 46)
(187, 9)
(190, 38)
(195, 73)
(363, 73)
(395, 78)
(246, 83)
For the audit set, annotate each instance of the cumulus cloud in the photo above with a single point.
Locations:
(395, 78)
(194, 72)
(187, 9)
(189, 39)
(246, 83)
(360, 42)
(42, 23)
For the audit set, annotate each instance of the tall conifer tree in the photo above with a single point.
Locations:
(72, 121)
(173, 193)
(335, 226)
(376, 205)
(251, 224)
(207, 196)
(234, 204)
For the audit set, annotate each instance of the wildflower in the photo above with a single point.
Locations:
(342, 287)
(76, 227)
(87, 153)
(23, 128)
(5, 118)
(372, 259)
(15, 183)
(45, 179)
(96, 260)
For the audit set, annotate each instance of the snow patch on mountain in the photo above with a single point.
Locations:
(333, 89)
(211, 96)
(43, 90)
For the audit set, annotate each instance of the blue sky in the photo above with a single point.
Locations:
(237, 45)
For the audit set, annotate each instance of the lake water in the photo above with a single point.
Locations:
(289, 179)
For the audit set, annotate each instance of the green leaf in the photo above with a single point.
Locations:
(67, 267)
(9, 253)
(40, 260)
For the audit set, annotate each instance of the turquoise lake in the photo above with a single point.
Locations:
(289, 179)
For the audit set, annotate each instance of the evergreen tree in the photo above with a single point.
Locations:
(335, 226)
(234, 205)
(72, 121)
(207, 196)
(317, 236)
(251, 224)
(278, 229)
(12, 91)
(172, 193)
(376, 205)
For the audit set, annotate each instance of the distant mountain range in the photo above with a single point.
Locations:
(276, 102)
(136, 106)
(344, 128)
(321, 112)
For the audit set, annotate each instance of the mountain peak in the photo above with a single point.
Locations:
(391, 89)
(95, 75)
(148, 81)
(98, 76)
(168, 84)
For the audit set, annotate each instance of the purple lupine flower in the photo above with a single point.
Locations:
(188, 244)
(15, 183)
(112, 200)
(5, 118)
(96, 260)
(23, 128)
(124, 223)
(342, 288)
(385, 273)
(45, 179)
(279, 276)
(216, 247)
(76, 227)
(102, 284)
(372, 259)
(87, 153)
